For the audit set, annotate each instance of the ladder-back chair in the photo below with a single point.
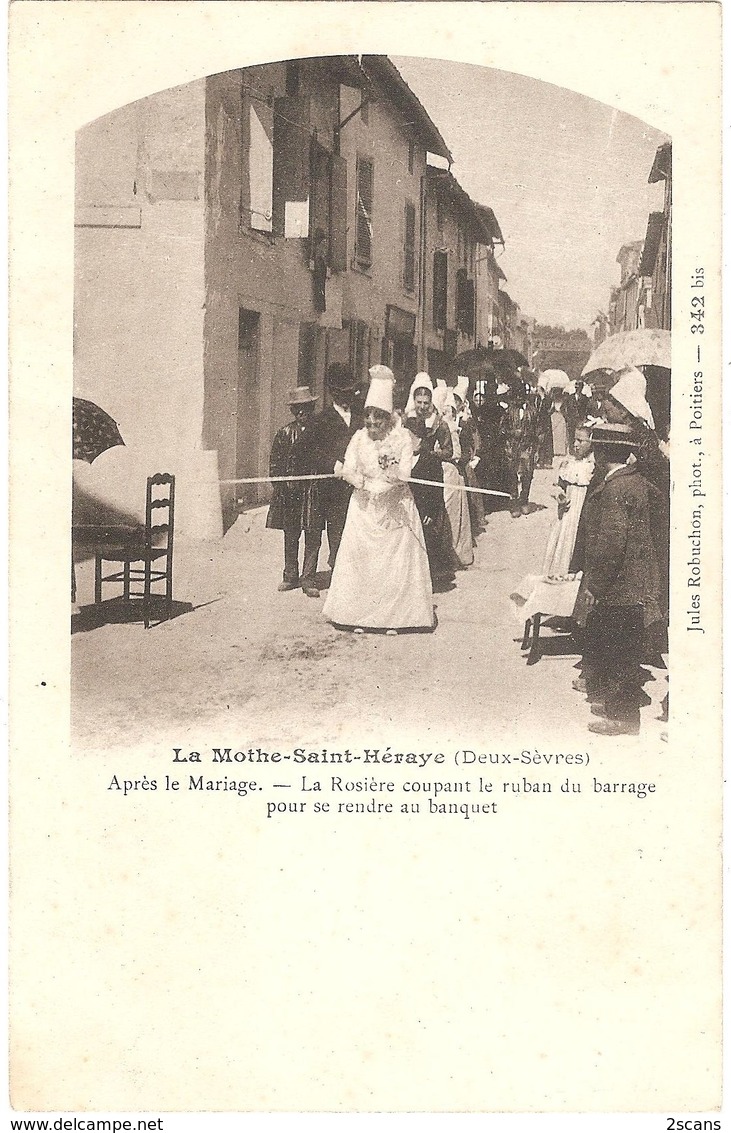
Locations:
(146, 554)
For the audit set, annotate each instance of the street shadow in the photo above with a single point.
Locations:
(561, 645)
(115, 611)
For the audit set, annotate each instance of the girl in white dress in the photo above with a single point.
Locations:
(574, 475)
(381, 576)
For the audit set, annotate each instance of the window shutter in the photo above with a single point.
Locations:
(439, 293)
(319, 194)
(339, 214)
(465, 303)
(291, 157)
(260, 166)
(364, 213)
(409, 246)
(469, 307)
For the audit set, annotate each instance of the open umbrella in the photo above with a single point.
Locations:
(554, 379)
(644, 347)
(94, 431)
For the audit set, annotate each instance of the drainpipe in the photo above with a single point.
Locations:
(421, 306)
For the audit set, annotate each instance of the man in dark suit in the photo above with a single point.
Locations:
(328, 437)
(620, 589)
(518, 434)
(576, 409)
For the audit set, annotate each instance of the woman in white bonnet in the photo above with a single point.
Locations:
(381, 578)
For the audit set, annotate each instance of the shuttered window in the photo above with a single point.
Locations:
(409, 246)
(364, 212)
(439, 290)
(465, 303)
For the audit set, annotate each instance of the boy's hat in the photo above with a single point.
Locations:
(610, 434)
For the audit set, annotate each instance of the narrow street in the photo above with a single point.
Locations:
(250, 666)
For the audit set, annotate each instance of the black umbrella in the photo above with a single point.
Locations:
(509, 360)
(94, 431)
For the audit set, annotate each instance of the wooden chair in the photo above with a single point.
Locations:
(146, 554)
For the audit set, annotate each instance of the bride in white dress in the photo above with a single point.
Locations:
(381, 576)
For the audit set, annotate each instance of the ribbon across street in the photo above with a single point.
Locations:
(331, 476)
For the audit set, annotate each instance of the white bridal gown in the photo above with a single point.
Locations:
(381, 577)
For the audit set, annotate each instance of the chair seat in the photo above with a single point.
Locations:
(129, 552)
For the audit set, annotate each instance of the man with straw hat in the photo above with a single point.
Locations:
(295, 507)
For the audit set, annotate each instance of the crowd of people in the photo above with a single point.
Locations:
(387, 487)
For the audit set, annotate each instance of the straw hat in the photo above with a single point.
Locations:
(301, 396)
(380, 391)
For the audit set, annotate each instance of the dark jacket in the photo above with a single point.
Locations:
(327, 439)
(328, 436)
(576, 408)
(519, 435)
(294, 506)
(617, 553)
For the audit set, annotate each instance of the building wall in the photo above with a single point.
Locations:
(462, 253)
(270, 275)
(487, 284)
(252, 271)
(384, 139)
(139, 296)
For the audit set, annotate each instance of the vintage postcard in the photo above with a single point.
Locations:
(366, 395)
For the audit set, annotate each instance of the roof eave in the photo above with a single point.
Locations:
(381, 67)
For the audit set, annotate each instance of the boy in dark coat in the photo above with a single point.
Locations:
(429, 502)
(620, 590)
(329, 435)
(295, 507)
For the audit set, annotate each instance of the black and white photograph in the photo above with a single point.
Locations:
(365, 390)
(371, 348)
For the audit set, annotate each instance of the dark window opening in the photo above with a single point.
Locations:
(439, 290)
(293, 79)
(409, 246)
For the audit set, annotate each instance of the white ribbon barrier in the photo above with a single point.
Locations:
(331, 476)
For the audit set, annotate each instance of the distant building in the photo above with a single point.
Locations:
(488, 277)
(508, 319)
(626, 307)
(656, 264)
(457, 233)
(557, 349)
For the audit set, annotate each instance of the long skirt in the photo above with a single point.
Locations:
(560, 546)
(458, 512)
(381, 576)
